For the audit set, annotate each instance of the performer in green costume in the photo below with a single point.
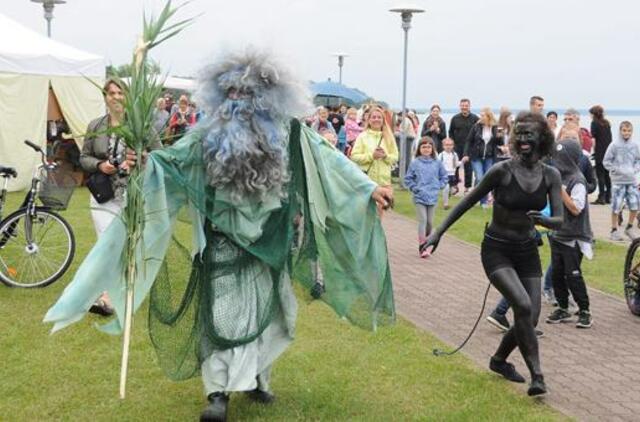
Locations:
(269, 201)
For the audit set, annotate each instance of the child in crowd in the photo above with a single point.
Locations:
(329, 136)
(622, 160)
(451, 162)
(342, 139)
(425, 178)
(352, 129)
(573, 239)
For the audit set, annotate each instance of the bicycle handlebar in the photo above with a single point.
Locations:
(42, 154)
(34, 146)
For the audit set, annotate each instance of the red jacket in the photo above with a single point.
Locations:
(586, 139)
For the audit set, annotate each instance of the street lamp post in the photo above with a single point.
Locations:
(406, 13)
(340, 57)
(48, 6)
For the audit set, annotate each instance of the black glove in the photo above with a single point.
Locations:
(317, 290)
(539, 218)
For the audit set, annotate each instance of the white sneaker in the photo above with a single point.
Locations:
(550, 297)
(630, 233)
(573, 306)
(616, 236)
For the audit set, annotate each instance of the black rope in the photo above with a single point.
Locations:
(440, 352)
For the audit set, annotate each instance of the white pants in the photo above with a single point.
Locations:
(246, 367)
(103, 214)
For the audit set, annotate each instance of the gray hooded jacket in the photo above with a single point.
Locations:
(622, 159)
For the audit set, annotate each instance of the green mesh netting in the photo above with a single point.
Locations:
(227, 295)
(231, 293)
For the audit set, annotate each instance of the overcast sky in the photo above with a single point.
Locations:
(575, 53)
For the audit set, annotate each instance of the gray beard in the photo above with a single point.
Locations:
(242, 159)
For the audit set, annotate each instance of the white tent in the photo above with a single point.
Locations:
(30, 63)
(184, 84)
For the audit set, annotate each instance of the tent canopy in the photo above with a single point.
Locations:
(30, 64)
(24, 51)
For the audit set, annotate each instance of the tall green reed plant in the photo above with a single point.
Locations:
(137, 132)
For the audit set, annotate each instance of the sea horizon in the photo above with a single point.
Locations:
(560, 111)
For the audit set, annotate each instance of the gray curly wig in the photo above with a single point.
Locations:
(247, 134)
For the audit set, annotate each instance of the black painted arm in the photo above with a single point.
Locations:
(487, 184)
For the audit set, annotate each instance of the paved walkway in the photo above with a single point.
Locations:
(591, 374)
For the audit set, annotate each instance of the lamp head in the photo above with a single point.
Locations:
(406, 12)
(48, 6)
(49, 2)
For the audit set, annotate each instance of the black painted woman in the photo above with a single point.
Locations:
(521, 187)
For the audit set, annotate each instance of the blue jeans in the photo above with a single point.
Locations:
(548, 286)
(480, 167)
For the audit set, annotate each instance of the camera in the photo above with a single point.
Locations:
(115, 160)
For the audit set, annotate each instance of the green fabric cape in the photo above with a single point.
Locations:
(342, 234)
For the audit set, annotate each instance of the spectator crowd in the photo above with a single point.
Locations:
(453, 159)
(443, 161)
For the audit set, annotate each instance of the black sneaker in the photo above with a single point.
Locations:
(584, 319)
(499, 321)
(100, 307)
(537, 386)
(558, 316)
(505, 369)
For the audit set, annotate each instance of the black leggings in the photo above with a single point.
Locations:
(524, 296)
(604, 182)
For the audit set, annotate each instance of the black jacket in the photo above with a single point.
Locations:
(475, 147)
(459, 129)
(437, 137)
(587, 171)
(602, 133)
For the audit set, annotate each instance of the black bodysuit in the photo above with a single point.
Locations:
(513, 197)
(521, 255)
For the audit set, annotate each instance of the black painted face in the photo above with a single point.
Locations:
(527, 137)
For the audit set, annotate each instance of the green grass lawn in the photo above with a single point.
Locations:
(603, 272)
(332, 372)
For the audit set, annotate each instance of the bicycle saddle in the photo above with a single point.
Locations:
(8, 171)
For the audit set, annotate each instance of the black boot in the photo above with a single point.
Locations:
(259, 396)
(537, 386)
(216, 411)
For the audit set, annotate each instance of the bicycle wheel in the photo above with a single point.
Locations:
(45, 259)
(631, 277)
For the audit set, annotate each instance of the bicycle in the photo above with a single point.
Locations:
(631, 277)
(37, 245)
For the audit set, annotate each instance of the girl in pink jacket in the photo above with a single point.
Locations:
(352, 129)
